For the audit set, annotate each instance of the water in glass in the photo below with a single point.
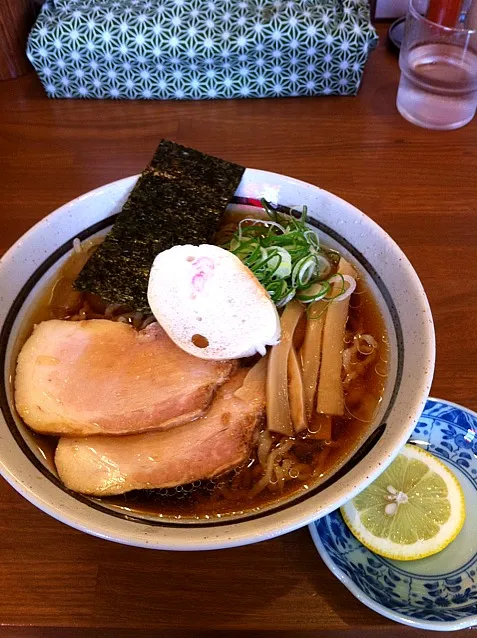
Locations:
(438, 87)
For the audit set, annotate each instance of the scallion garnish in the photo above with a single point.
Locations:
(285, 256)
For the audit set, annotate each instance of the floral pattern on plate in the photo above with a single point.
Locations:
(438, 592)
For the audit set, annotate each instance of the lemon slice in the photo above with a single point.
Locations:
(413, 510)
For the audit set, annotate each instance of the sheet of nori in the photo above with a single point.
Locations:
(179, 199)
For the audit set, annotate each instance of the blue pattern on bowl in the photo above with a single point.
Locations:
(439, 592)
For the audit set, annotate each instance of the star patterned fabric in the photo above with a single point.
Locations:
(201, 49)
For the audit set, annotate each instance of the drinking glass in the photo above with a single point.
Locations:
(438, 85)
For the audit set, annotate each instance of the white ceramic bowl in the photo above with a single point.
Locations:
(33, 260)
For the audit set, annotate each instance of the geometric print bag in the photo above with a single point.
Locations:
(200, 49)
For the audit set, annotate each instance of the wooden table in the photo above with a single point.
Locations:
(421, 186)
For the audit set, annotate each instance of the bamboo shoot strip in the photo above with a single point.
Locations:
(254, 383)
(330, 387)
(179, 199)
(311, 352)
(296, 395)
(278, 406)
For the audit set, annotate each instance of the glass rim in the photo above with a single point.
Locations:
(454, 30)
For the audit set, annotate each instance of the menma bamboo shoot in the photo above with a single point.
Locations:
(296, 394)
(311, 352)
(330, 398)
(278, 403)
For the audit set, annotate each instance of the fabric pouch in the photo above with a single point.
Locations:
(200, 49)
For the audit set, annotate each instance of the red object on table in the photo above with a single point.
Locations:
(445, 12)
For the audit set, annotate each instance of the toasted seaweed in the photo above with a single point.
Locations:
(179, 199)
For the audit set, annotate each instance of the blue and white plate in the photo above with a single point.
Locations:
(438, 592)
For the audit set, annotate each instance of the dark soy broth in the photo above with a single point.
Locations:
(232, 494)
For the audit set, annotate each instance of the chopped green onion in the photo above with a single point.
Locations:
(286, 257)
(314, 292)
(281, 263)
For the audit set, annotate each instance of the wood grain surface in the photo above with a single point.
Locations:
(419, 185)
(16, 19)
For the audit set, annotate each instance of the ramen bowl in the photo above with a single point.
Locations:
(31, 264)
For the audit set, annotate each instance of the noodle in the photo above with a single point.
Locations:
(264, 446)
(279, 462)
(273, 457)
(354, 366)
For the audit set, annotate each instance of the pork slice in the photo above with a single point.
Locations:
(219, 441)
(103, 377)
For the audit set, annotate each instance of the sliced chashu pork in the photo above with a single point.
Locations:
(219, 441)
(103, 377)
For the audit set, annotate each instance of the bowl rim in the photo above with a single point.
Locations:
(274, 523)
(433, 625)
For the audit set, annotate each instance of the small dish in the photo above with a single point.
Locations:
(438, 592)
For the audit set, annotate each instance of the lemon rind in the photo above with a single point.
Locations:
(456, 508)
